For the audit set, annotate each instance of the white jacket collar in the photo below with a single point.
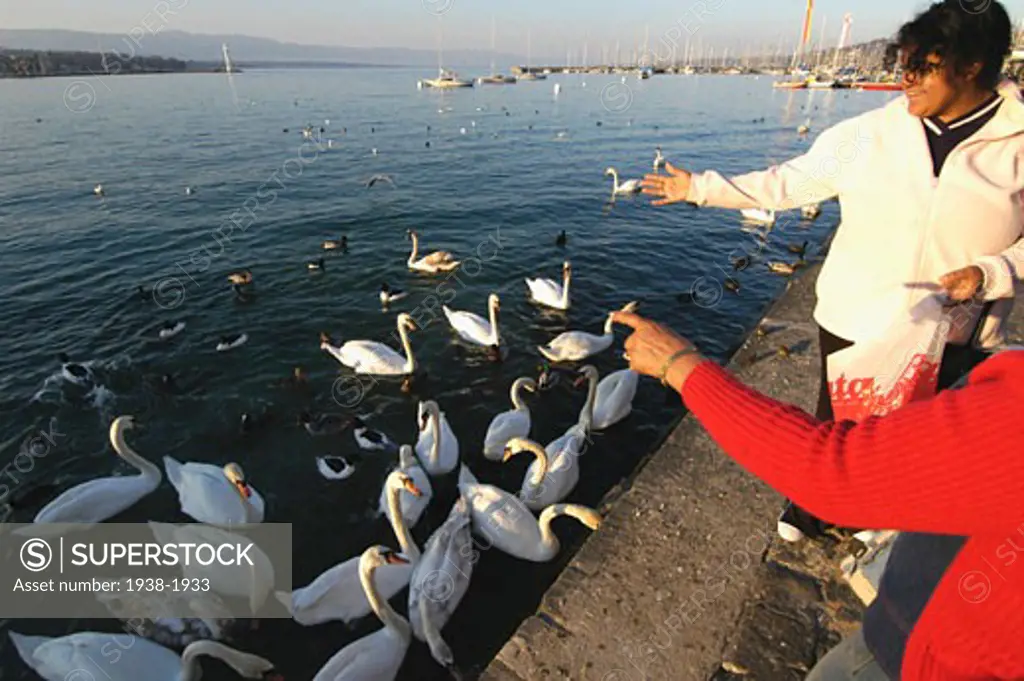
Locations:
(1008, 121)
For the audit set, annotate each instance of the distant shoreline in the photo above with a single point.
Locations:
(194, 68)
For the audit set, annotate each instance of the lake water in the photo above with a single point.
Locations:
(506, 169)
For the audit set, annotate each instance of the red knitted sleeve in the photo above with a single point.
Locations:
(950, 465)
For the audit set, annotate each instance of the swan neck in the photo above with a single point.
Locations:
(608, 326)
(517, 395)
(190, 669)
(405, 540)
(410, 360)
(117, 441)
(415, 248)
(548, 540)
(542, 463)
(565, 287)
(494, 323)
(587, 413)
(384, 612)
(435, 425)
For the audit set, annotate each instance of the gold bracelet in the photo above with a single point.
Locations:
(671, 360)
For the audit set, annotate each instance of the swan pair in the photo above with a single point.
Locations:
(438, 261)
(550, 293)
(473, 328)
(68, 657)
(374, 358)
(573, 346)
(627, 187)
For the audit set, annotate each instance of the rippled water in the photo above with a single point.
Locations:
(527, 165)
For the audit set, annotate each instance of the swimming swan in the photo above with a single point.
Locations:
(502, 519)
(372, 357)
(509, 424)
(214, 495)
(573, 346)
(627, 187)
(475, 329)
(439, 454)
(438, 261)
(550, 293)
(614, 395)
(411, 505)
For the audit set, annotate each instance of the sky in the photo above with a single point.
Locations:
(555, 27)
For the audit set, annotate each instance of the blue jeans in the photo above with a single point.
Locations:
(849, 661)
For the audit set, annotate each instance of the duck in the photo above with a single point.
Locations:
(369, 439)
(98, 190)
(547, 378)
(800, 250)
(68, 657)
(297, 380)
(76, 373)
(242, 278)
(627, 187)
(562, 239)
(335, 593)
(438, 261)
(741, 263)
(613, 397)
(377, 656)
(504, 520)
(336, 467)
(473, 328)
(550, 478)
(103, 498)
(316, 265)
(550, 293)
(410, 506)
(438, 453)
(659, 160)
(810, 211)
(440, 580)
(374, 358)
(515, 422)
(324, 424)
(390, 295)
(171, 329)
(783, 268)
(573, 346)
(232, 341)
(332, 245)
(214, 495)
(731, 284)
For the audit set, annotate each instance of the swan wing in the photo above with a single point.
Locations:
(502, 519)
(442, 574)
(438, 258)
(371, 357)
(504, 427)
(471, 327)
(573, 346)
(96, 500)
(559, 481)
(207, 496)
(545, 290)
(337, 594)
(58, 659)
(376, 657)
(448, 453)
(614, 399)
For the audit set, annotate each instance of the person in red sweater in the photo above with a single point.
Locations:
(947, 472)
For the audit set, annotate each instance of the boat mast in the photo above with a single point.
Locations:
(493, 45)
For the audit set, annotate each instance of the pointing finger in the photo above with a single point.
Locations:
(629, 319)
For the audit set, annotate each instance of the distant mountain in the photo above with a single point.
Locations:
(207, 48)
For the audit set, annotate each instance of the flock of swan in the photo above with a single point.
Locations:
(517, 522)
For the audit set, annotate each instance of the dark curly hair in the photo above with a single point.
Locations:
(962, 33)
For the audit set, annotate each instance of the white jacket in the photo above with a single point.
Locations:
(901, 226)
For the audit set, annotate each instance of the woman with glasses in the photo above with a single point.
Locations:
(930, 192)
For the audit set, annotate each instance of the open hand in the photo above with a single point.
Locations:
(962, 284)
(671, 188)
(652, 345)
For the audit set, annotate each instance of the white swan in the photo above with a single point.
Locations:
(438, 261)
(336, 594)
(475, 329)
(214, 495)
(509, 424)
(659, 160)
(378, 656)
(549, 292)
(758, 215)
(627, 187)
(547, 480)
(253, 584)
(414, 504)
(440, 580)
(615, 393)
(503, 520)
(439, 455)
(69, 657)
(573, 346)
(102, 498)
(371, 357)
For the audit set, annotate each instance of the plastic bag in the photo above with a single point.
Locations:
(877, 377)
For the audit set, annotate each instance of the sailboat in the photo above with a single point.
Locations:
(495, 78)
(446, 78)
(528, 74)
